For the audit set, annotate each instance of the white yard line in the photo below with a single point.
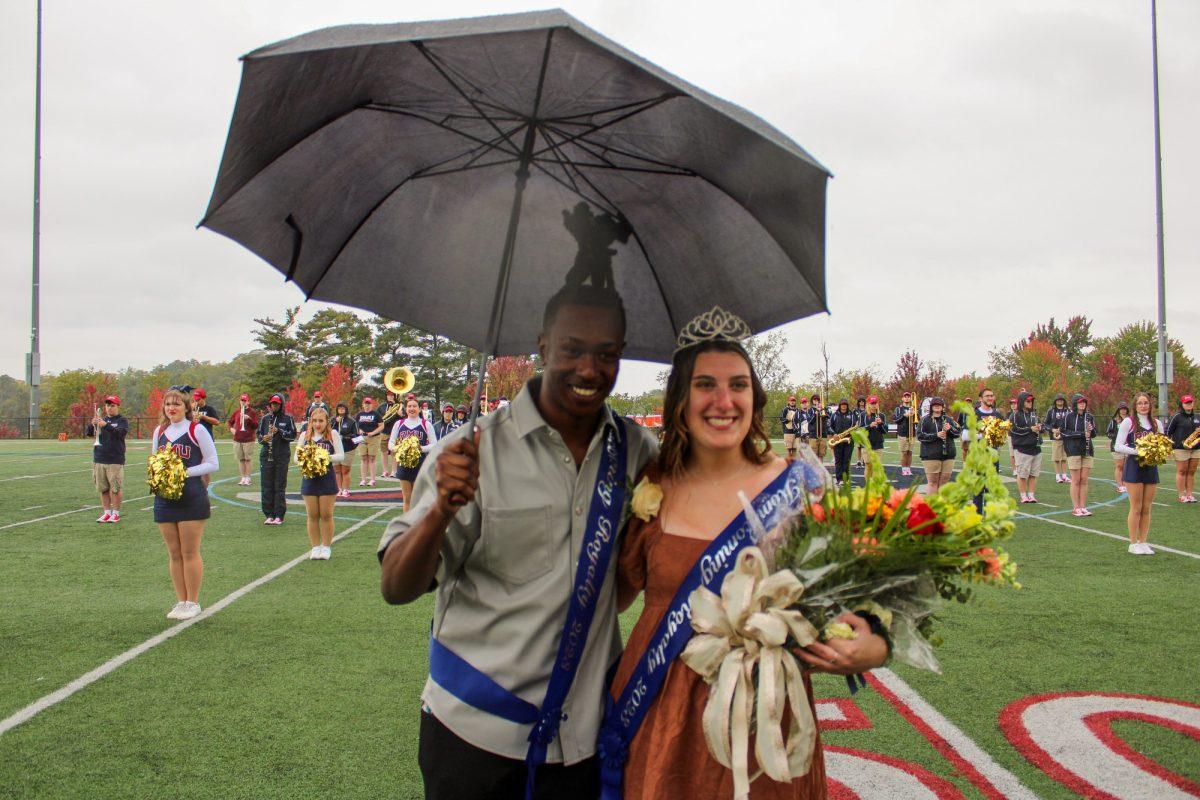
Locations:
(1118, 537)
(38, 706)
(64, 513)
(993, 780)
(44, 475)
(31, 508)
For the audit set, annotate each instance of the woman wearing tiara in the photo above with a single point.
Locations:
(714, 445)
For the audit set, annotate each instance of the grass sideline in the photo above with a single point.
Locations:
(309, 686)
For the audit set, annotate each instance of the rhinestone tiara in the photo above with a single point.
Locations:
(716, 324)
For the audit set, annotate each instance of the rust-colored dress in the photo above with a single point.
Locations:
(668, 757)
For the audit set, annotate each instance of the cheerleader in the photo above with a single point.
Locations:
(937, 433)
(1179, 428)
(346, 427)
(181, 522)
(1121, 414)
(413, 424)
(876, 424)
(1142, 482)
(1078, 428)
(319, 494)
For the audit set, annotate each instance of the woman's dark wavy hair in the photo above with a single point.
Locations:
(676, 442)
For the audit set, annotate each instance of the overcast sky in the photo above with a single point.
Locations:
(982, 151)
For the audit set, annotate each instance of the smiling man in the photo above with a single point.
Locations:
(525, 619)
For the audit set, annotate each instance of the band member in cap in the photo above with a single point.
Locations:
(318, 401)
(389, 400)
(1142, 482)
(1181, 426)
(243, 423)
(206, 415)
(1078, 429)
(181, 522)
(876, 424)
(461, 415)
(818, 427)
(937, 433)
(370, 427)
(903, 417)
(789, 420)
(1026, 436)
(842, 420)
(447, 424)
(1114, 425)
(532, 478)
(108, 456)
(860, 419)
(345, 427)
(276, 431)
(1053, 423)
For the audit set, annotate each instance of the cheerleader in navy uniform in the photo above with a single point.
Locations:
(319, 494)
(1141, 482)
(413, 424)
(181, 522)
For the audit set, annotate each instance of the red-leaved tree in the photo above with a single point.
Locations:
(9, 432)
(91, 398)
(153, 410)
(507, 374)
(1109, 387)
(297, 401)
(338, 385)
(913, 374)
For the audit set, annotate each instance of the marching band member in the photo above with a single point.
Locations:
(860, 412)
(902, 417)
(1026, 440)
(181, 522)
(965, 433)
(1078, 429)
(206, 415)
(876, 425)
(984, 409)
(108, 456)
(789, 420)
(317, 402)
(447, 424)
(1142, 482)
(1012, 454)
(370, 427)
(841, 421)
(461, 415)
(276, 430)
(242, 424)
(1118, 458)
(818, 427)
(319, 494)
(937, 433)
(389, 400)
(345, 427)
(412, 425)
(1054, 421)
(1179, 428)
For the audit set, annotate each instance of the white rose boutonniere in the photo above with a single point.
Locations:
(647, 497)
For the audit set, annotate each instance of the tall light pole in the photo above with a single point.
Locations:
(1162, 361)
(33, 365)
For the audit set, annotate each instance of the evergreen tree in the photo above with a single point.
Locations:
(281, 361)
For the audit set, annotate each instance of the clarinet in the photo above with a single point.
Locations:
(270, 441)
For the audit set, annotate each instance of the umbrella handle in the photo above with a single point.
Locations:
(457, 500)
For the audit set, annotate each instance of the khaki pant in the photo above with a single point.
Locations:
(819, 446)
(108, 477)
(936, 468)
(1186, 455)
(244, 451)
(906, 444)
(1028, 465)
(1080, 462)
(1058, 452)
(370, 446)
(789, 441)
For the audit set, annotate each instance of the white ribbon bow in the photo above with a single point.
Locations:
(744, 627)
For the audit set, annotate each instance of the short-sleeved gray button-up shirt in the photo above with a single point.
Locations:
(506, 573)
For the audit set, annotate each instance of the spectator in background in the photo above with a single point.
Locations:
(876, 424)
(860, 414)
(906, 430)
(243, 422)
(1026, 439)
(108, 457)
(1012, 454)
(1054, 422)
(1078, 428)
(789, 420)
(937, 432)
(461, 415)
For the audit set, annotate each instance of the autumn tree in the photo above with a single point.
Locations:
(90, 398)
(152, 411)
(1109, 386)
(507, 374)
(296, 403)
(913, 374)
(338, 385)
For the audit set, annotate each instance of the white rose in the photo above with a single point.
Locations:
(647, 497)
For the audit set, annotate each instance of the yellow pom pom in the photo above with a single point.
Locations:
(166, 474)
(1153, 449)
(313, 460)
(408, 452)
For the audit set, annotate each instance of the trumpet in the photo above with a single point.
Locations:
(912, 418)
(399, 381)
(1192, 440)
(95, 414)
(844, 436)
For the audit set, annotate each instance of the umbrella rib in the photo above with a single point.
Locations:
(558, 159)
(424, 51)
(582, 141)
(646, 106)
(486, 143)
(587, 114)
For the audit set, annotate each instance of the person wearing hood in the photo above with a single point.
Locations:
(937, 434)
(818, 427)
(1054, 422)
(876, 425)
(1179, 428)
(1118, 458)
(1026, 435)
(841, 421)
(1078, 429)
(1142, 482)
(860, 414)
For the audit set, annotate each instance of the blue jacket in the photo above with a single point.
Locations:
(112, 440)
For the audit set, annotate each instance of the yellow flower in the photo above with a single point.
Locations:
(871, 607)
(647, 497)
(838, 630)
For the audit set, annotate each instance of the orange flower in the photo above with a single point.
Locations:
(817, 511)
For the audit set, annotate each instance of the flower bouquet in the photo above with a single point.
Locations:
(408, 452)
(166, 474)
(1153, 449)
(892, 556)
(313, 460)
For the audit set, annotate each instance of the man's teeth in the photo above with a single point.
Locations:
(582, 392)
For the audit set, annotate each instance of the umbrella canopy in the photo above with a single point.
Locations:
(377, 165)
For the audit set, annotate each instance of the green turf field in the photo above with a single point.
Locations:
(308, 685)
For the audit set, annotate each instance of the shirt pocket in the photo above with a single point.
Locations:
(516, 543)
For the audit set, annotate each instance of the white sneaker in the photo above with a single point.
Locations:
(114, 516)
(1147, 550)
(362, 482)
(1135, 549)
(315, 554)
(189, 610)
(176, 609)
(326, 552)
(104, 517)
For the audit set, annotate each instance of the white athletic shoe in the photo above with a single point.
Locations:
(104, 517)
(1147, 550)
(176, 609)
(1066, 478)
(362, 482)
(114, 516)
(371, 482)
(326, 552)
(315, 554)
(189, 610)
(1122, 490)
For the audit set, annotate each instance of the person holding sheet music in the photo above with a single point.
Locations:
(714, 446)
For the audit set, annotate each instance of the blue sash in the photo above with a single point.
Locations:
(459, 678)
(623, 718)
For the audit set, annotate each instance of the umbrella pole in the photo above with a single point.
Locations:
(510, 244)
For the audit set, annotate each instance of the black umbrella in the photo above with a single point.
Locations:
(445, 174)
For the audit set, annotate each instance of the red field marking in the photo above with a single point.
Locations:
(860, 775)
(841, 714)
(1050, 730)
